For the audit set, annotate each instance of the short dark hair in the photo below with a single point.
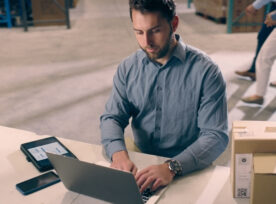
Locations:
(165, 7)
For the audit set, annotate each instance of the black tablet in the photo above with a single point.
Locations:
(35, 152)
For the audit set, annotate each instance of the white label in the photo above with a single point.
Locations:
(243, 168)
(240, 130)
(39, 152)
(243, 132)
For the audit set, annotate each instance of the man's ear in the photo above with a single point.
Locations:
(175, 22)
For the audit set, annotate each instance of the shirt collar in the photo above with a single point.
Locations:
(179, 51)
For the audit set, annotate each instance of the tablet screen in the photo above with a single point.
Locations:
(39, 152)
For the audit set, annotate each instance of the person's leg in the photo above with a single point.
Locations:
(262, 36)
(264, 63)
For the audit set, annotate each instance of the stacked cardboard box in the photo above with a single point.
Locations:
(219, 9)
(250, 22)
(73, 3)
(249, 137)
(263, 179)
(212, 8)
(47, 10)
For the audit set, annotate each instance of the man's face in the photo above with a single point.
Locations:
(153, 33)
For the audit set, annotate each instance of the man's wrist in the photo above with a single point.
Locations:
(167, 166)
(174, 167)
(120, 155)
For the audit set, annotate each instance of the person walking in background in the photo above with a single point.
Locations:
(262, 35)
(264, 63)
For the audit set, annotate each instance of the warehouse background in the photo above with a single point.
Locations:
(56, 81)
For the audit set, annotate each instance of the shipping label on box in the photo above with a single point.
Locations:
(243, 168)
(249, 137)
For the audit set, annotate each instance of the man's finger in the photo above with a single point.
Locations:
(134, 170)
(157, 183)
(140, 173)
(141, 180)
(147, 183)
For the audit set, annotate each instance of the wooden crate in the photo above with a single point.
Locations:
(211, 8)
(47, 10)
(73, 3)
(238, 8)
(218, 9)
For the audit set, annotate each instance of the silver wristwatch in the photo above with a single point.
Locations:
(174, 166)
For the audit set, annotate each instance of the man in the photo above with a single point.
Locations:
(263, 34)
(264, 63)
(175, 96)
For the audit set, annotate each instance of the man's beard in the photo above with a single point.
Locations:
(163, 52)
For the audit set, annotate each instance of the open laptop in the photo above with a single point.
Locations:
(100, 182)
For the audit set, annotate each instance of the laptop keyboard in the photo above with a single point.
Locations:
(147, 194)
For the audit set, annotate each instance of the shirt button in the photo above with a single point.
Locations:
(159, 88)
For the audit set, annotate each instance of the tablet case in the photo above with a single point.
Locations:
(42, 165)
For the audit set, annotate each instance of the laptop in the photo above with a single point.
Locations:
(100, 182)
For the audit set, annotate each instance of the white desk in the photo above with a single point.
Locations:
(211, 185)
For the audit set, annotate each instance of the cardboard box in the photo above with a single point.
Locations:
(218, 9)
(249, 23)
(211, 8)
(44, 10)
(263, 179)
(74, 3)
(249, 137)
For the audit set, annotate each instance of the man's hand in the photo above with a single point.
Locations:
(268, 21)
(250, 10)
(121, 161)
(154, 176)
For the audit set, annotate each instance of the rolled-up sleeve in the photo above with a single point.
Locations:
(212, 123)
(260, 3)
(116, 116)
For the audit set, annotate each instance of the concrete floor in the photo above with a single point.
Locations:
(56, 81)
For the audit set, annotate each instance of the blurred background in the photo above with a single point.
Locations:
(57, 60)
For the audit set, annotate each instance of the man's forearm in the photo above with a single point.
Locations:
(121, 161)
(202, 152)
(121, 155)
(112, 137)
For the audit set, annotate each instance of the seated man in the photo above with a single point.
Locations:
(175, 96)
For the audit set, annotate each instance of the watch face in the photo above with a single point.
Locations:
(175, 167)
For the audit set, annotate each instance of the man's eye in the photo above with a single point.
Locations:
(139, 32)
(156, 31)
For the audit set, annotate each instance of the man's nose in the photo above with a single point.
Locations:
(148, 39)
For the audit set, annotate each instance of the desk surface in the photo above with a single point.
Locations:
(211, 185)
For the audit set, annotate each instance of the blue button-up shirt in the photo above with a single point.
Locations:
(178, 109)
